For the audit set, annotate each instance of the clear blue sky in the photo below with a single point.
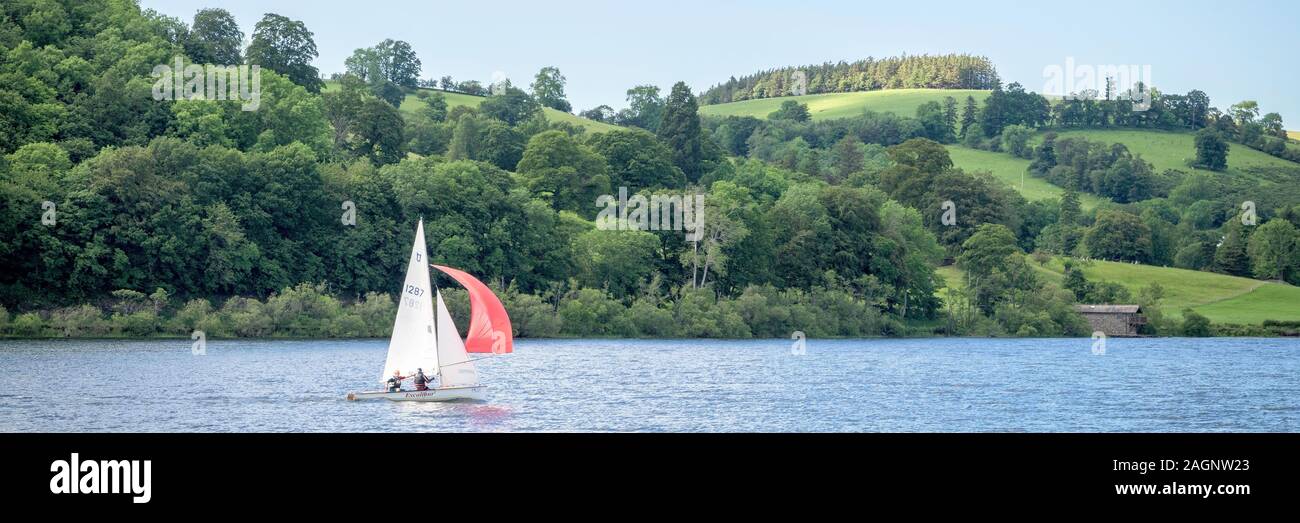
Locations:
(1231, 50)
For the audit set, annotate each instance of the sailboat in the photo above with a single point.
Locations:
(425, 337)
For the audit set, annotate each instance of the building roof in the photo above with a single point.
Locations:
(1108, 309)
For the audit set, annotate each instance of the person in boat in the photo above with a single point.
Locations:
(421, 381)
(395, 382)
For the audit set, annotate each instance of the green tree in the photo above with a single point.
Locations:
(950, 118)
(847, 158)
(791, 110)
(1015, 140)
(680, 131)
(1118, 235)
(214, 38)
(548, 89)
(637, 160)
(1045, 156)
(286, 46)
(512, 106)
(1274, 251)
(969, 115)
(935, 122)
(1211, 150)
(1196, 325)
(341, 108)
(616, 261)
(435, 107)
(994, 266)
(501, 145)
(645, 108)
(388, 92)
(465, 139)
(1070, 209)
(379, 132)
(569, 175)
(1232, 256)
(390, 60)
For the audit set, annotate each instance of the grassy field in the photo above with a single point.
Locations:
(1165, 150)
(411, 104)
(902, 102)
(1012, 171)
(1171, 150)
(1294, 135)
(1221, 298)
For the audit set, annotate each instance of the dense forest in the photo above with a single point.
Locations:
(952, 71)
(123, 214)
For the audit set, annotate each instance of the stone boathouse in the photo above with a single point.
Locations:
(1114, 320)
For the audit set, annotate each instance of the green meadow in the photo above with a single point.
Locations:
(1221, 298)
(1173, 150)
(902, 102)
(1013, 172)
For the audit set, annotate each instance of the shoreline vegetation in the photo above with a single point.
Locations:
(309, 312)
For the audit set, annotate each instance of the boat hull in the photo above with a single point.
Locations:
(474, 393)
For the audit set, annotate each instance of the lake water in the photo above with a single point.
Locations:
(1147, 385)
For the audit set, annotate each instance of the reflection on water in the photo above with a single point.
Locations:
(1229, 384)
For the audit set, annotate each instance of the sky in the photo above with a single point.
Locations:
(1231, 50)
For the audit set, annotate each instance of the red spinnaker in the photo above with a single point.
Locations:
(489, 325)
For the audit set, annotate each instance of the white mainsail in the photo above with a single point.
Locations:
(413, 344)
(457, 369)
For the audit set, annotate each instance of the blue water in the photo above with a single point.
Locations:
(1039, 385)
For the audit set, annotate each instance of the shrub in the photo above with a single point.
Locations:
(189, 318)
(588, 312)
(1195, 325)
(245, 318)
(84, 320)
(138, 324)
(651, 321)
(531, 316)
(376, 312)
(28, 325)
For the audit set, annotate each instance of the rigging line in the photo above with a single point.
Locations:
(466, 361)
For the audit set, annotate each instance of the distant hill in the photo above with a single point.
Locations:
(950, 71)
(902, 102)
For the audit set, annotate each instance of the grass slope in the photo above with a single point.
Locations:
(1171, 150)
(902, 102)
(1221, 298)
(1013, 172)
(1164, 149)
